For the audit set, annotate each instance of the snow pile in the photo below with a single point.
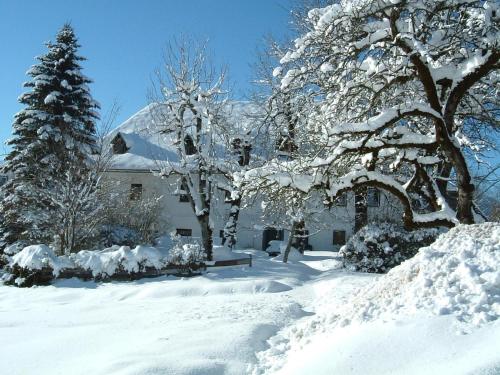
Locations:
(449, 289)
(380, 247)
(458, 274)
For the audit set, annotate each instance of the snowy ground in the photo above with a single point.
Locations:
(232, 321)
(211, 324)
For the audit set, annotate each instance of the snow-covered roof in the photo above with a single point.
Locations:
(145, 146)
(147, 149)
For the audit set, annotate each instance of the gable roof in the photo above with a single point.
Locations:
(147, 149)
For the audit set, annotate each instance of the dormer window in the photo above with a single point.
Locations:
(119, 145)
(189, 145)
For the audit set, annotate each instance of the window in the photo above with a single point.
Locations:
(135, 192)
(119, 145)
(339, 237)
(341, 201)
(184, 197)
(184, 232)
(3, 180)
(189, 145)
(373, 197)
(203, 185)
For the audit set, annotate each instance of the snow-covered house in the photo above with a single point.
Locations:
(139, 151)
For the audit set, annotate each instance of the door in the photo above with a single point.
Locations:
(271, 234)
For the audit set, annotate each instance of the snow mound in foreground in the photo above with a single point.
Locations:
(458, 274)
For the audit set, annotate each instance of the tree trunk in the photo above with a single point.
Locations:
(206, 235)
(229, 239)
(300, 237)
(290, 241)
(464, 179)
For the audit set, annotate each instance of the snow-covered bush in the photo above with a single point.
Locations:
(27, 267)
(108, 262)
(9, 251)
(38, 264)
(379, 247)
(187, 257)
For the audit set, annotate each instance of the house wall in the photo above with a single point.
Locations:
(179, 215)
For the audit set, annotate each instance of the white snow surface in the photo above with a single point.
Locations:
(436, 313)
(211, 324)
(459, 274)
(306, 317)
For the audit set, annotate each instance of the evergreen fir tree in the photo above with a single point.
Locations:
(52, 138)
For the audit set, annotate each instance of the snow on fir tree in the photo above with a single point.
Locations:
(53, 137)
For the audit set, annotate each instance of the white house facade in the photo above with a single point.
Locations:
(139, 151)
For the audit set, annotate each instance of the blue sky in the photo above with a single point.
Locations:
(123, 41)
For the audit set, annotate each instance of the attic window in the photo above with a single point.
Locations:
(189, 145)
(119, 145)
(3, 179)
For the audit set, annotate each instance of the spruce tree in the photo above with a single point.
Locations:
(53, 137)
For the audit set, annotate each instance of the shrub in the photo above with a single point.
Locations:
(119, 235)
(379, 247)
(188, 257)
(34, 265)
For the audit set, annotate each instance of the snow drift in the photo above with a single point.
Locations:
(450, 288)
(458, 274)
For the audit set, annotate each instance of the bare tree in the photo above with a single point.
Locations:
(189, 107)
